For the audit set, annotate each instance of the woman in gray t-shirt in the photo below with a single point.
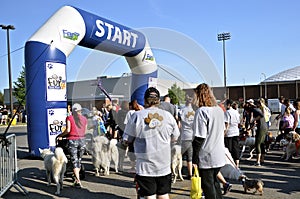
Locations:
(208, 143)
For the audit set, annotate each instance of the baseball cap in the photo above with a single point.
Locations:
(151, 92)
(76, 107)
(251, 101)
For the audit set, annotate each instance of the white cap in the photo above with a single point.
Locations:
(251, 101)
(76, 107)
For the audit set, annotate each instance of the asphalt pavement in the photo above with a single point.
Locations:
(281, 178)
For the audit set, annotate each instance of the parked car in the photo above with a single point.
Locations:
(274, 105)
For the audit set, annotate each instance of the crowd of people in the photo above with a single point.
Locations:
(6, 115)
(203, 127)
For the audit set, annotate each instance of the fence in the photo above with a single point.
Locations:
(8, 165)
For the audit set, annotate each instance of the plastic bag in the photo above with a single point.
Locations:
(101, 128)
(196, 190)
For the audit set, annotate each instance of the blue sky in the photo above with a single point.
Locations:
(264, 34)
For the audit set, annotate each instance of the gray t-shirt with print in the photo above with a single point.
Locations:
(152, 131)
(187, 118)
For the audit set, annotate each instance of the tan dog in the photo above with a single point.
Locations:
(176, 164)
(296, 136)
(55, 163)
(291, 146)
(249, 184)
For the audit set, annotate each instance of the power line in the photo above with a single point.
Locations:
(12, 52)
(161, 67)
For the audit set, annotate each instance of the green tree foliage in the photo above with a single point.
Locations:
(1, 98)
(19, 90)
(176, 94)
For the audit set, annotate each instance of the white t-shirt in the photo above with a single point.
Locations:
(128, 115)
(232, 117)
(209, 124)
(152, 140)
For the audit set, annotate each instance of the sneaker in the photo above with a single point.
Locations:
(257, 164)
(77, 185)
(296, 157)
(226, 188)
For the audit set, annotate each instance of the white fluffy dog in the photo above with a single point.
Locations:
(176, 164)
(114, 153)
(55, 163)
(103, 152)
(100, 157)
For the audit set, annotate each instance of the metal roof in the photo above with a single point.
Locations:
(291, 74)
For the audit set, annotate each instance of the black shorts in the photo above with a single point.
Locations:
(232, 143)
(149, 186)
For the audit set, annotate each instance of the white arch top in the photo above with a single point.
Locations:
(45, 59)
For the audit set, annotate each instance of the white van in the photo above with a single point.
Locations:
(274, 105)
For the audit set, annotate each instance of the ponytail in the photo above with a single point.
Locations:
(76, 118)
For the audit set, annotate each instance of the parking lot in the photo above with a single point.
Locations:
(281, 178)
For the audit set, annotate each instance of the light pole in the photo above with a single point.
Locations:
(244, 91)
(263, 74)
(223, 37)
(7, 28)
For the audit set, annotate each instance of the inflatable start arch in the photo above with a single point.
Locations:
(45, 64)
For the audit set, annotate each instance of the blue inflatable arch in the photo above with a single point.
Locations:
(45, 64)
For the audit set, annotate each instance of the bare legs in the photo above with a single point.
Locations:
(190, 168)
(76, 173)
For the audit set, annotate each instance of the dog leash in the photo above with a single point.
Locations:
(233, 163)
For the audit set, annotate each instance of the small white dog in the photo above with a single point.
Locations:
(176, 164)
(55, 163)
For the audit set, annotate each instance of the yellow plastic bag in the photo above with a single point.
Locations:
(196, 190)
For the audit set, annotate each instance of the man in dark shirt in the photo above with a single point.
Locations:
(168, 106)
(4, 116)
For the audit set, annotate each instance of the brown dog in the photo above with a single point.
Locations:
(249, 184)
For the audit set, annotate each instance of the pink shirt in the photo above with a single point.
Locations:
(289, 119)
(75, 131)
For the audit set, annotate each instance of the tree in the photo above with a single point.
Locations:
(19, 90)
(1, 98)
(176, 94)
